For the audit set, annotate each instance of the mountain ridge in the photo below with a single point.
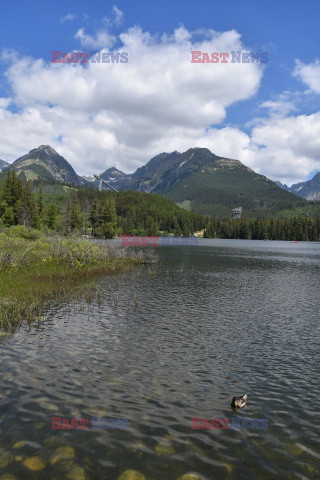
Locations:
(196, 179)
(207, 183)
(309, 190)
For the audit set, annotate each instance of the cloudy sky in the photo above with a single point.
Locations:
(99, 115)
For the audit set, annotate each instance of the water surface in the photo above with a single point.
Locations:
(166, 343)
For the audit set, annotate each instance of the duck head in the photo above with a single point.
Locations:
(239, 402)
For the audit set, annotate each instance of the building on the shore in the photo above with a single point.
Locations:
(237, 212)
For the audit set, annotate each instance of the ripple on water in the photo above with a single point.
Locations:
(211, 323)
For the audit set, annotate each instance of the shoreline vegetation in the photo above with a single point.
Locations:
(302, 229)
(36, 268)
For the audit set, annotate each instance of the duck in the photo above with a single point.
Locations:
(239, 402)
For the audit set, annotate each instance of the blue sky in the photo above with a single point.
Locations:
(266, 116)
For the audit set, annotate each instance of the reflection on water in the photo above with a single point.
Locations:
(167, 343)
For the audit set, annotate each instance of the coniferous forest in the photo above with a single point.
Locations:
(67, 210)
(299, 228)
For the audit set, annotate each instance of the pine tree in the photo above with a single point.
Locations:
(27, 208)
(107, 218)
(75, 214)
(11, 194)
(41, 200)
(51, 215)
(94, 217)
(8, 217)
(12, 189)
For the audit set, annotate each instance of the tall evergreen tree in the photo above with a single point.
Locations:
(107, 218)
(41, 200)
(50, 216)
(11, 195)
(75, 214)
(94, 217)
(27, 208)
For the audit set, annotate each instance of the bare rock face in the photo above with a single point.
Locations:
(309, 190)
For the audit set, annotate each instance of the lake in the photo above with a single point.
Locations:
(159, 346)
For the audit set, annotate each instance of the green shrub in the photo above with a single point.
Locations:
(19, 231)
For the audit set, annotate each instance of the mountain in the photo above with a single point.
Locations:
(44, 163)
(88, 178)
(284, 186)
(3, 164)
(309, 190)
(206, 183)
(197, 180)
(113, 175)
(84, 181)
(116, 178)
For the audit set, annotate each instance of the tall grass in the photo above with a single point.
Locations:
(35, 268)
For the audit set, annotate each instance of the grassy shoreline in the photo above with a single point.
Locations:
(35, 268)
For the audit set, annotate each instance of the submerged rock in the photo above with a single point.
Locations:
(192, 447)
(137, 447)
(19, 444)
(158, 392)
(5, 460)
(34, 463)
(131, 475)
(8, 476)
(62, 453)
(76, 414)
(75, 472)
(39, 425)
(45, 403)
(190, 476)
(20, 458)
(165, 447)
(51, 441)
(295, 449)
(228, 467)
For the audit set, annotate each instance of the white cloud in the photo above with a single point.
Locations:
(5, 102)
(279, 107)
(121, 115)
(124, 113)
(118, 15)
(309, 74)
(102, 39)
(68, 18)
(286, 148)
